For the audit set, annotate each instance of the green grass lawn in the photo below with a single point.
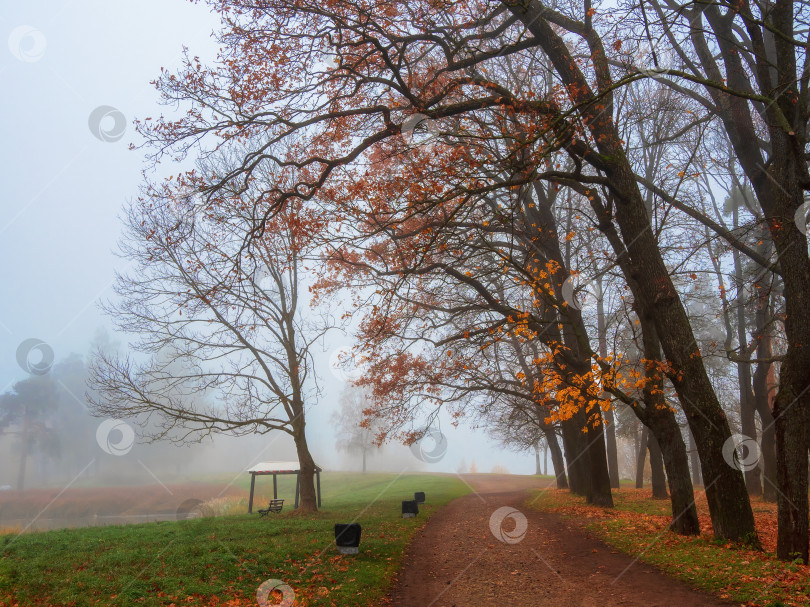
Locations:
(223, 560)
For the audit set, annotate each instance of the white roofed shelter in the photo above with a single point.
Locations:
(274, 468)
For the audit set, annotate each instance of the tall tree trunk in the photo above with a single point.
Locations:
(753, 481)
(612, 448)
(545, 461)
(574, 361)
(364, 460)
(659, 479)
(556, 458)
(537, 469)
(308, 498)
(763, 397)
(641, 457)
(574, 456)
(599, 479)
(694, 461)
(610, 418)
(23, 449)
(666, 439)
(748, 427)
(682, 495)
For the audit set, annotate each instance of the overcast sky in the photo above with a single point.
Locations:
(63, 186)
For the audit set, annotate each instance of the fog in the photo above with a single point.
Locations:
(76, 74)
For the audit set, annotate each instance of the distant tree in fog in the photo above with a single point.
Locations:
(23, 414)
(356, 432)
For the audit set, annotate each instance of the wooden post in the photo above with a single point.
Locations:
(297, 486)
(275, 487)
(252, 484)
(318, 479)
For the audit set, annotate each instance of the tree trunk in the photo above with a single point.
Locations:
(545, 461)
(537, 469)
(791, 469)
(659, 479)
(556, 458)
(673, 451)
(23, 450)
(599, 479)
(748, 427)
(612, 448)
(308, 498)
(641, 457)
(762, 404)
(753, 481)
(610, 418)
(574, 456)
(694, 461)
(666, 439)
(364, 460)
(566, 326)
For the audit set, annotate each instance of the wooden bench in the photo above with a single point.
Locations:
(273, 506)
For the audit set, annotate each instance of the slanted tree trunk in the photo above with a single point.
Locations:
(566, 326)
(574, 456)
(682, 495)
(556, 458)
(667, 438)
(656, 415)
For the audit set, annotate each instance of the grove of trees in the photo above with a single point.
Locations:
(551, 215)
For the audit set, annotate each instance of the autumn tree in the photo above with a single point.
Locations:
(219, 349)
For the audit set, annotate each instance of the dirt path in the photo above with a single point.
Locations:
(457, 561)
